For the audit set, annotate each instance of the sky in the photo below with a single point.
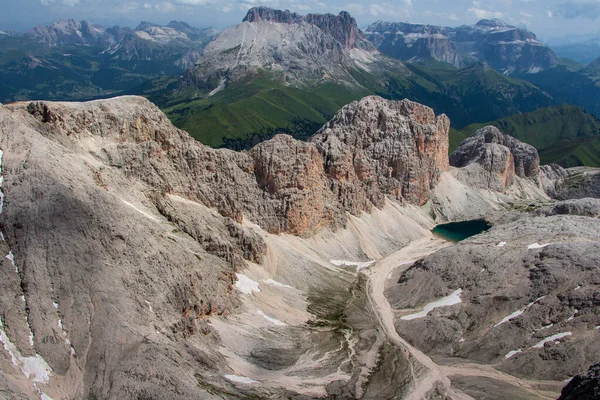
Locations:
(547, 18)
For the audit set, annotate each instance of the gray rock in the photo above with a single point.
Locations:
(586, 207)
(376, 148)
(501, 156)
(513, 297)
(506, 48)
(583, 387)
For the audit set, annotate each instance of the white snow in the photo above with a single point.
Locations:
(509, 317)
(449, 300)
(220, 87)
(482, 270)
(44, 396)
(272, 320)
(501, 244)
(54, 304)
(512, 353)
(11, 257)
(239, 379)
(246, 285)
(545, 327)
(34, 366)
(60, 325)
(518, 312)
(598, 327)
(358, 264)
(538, 246)
(551, 339)
(462, 340)
(145, 214)
(275, 283)
(571, 318)
(149, 306)
(578, 287)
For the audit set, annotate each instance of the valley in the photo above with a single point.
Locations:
(292, 208)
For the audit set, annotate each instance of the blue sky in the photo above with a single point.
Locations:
(550, 18)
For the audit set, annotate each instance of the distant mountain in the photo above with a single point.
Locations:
(504, 47)
(76, 60)
(581, 48)
(279, 71)
(564, 135)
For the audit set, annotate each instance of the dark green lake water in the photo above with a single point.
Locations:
(457, 231)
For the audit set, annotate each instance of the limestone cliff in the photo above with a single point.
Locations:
(501, 157)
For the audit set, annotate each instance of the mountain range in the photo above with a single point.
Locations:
(504, 47)
(279, 71)
(74, 60)
(143, 264)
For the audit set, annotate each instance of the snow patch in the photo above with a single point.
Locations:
(578, 287)
(513, 353)
(275, 283)
(145, 214)
(518, 312)
(449, 300)
(501, 244)
(358, 264)
(272, 320)
(54, 304)
(551, 339)
(34, 366)
(462, 340)
(538, 246)
(509, 317)
(246, 285)
(11, 258)
(239, 379)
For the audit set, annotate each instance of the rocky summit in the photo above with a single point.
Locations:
(506, 48)
(140, 263)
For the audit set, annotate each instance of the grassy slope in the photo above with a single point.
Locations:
(257, 108)
(565, 135)
(252, 110)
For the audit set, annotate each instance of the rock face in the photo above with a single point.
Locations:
(586, 207)
(376, 148)
(528, 303)
(500, 156)
(506, 48)
(298, 48)
(583, 387)
(371, 149)
(570, 183)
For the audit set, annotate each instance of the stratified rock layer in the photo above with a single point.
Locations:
(501, 157)
(376, 148)
(371, 149)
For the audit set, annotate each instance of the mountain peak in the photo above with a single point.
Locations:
(256, 14)
(492, 23)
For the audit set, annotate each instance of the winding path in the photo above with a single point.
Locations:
(425, 380)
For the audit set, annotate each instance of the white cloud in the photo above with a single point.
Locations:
(485, 14)
(450, 16)
(69, 3)
(147, 6)
(126, 8)
(526, 15)
(165, 7)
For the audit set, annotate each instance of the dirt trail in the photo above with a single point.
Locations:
(377, 277)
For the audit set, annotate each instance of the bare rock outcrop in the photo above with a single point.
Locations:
(583, 387)
(500, 156)
(570, 183)
(371, 149)
(375, 148)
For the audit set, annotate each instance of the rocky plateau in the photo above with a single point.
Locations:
(141, 264)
